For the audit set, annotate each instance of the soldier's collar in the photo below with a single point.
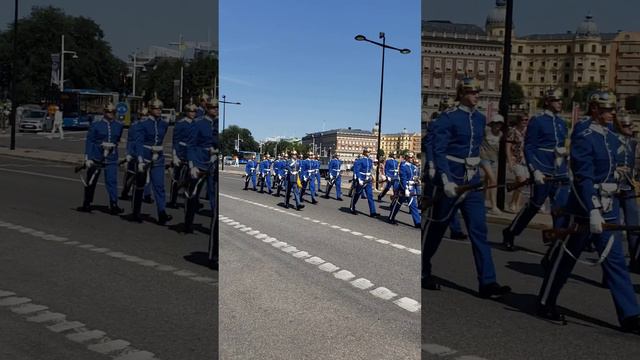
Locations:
(466, 108)
(602, 130)
(549, 112)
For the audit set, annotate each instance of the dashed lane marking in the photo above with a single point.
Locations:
(76, 331)
(382, 293)
(445, 352)
(108, 252)
(332, 226)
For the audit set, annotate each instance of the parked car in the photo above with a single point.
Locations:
(169, 115)
(35, 120)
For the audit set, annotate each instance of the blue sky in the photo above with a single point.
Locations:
(294, 65)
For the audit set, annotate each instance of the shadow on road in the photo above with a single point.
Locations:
(200, 258)
(535, 269)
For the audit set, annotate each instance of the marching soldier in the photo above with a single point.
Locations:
(179, 163)
(593, 204)
(101, 152)
(335, 177)
(628, 174)
(150, 134)
(293, 180)
(317, 168)
(308, 180)
(546, 155)
(131, 165)
(202, 108)
(202, 155)
(279, 170)
(391, 170)
(457, 136)
(265, 172)
(250, 173)
(362, 169)
(408, 191)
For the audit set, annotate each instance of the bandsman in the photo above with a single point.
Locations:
(179, 162)
(335, 177)
(408, 191)
(363, 169)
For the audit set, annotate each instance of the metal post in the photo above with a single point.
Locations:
(504, 108)
(134, 74)
(380, 114)
(224, 107)
(62, 66)
(14, 68)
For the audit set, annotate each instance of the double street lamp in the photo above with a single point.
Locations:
(401, 51)
(62, 53)
(224, 108)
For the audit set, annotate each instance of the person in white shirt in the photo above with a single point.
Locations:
(57, 122)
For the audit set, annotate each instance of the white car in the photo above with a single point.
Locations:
(169, 115)
(35, 120)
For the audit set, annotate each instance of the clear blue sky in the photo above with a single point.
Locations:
(295, 65)
(131, 24)
(541, 16)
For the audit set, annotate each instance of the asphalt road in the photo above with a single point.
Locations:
(456, 323)
(319, 283)
(93, 286)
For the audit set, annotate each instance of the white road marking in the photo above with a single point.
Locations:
(383, 293)
(105, 251)
(335, 227)
(75, 331)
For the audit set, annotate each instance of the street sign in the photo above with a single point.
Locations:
(122, 108)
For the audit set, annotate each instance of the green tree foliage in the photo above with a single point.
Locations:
(39, 36)
(230, 135)
(516, 94)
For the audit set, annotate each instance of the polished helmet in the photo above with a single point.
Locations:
(204, 96)
(155, 103)
(211, 103)
(467, 84)
(190, 106)
(108, 107)
(553, 95)
(606, 100)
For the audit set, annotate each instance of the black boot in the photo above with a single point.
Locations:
(163, 218)
(507, 240)
(147, 200)
(493, 291)
(458, 235)
(551, 313)
(631, 324)
(430, 283)
(84, 208)
(114, 209)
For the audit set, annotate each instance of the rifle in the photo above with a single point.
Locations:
(550, 235)
(83, 166)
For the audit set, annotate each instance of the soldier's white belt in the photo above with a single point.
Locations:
(606, 192)
(182, 143)
(108, 145)
(154, 148)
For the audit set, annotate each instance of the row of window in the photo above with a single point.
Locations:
(460, 65)
(568, 48)
(554, 78)
(450, 82)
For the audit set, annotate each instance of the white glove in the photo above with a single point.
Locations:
(595, 221)
(360, 182)
(450, 189)
(141, 167)
(538, 177)
(432, 173)
(128, 158)
(88, 163)
(176, 161)
(194, 172)
(407, 193)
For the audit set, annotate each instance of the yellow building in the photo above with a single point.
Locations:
(401, 141)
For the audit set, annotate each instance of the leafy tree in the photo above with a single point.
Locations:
(230, 135)
(39, 36)
(516, 94)
(632, 103)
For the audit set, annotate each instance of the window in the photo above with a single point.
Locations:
(568, 49)
(520, 49)
(544, 50)
(601, 78)
(567, 64)
(448, 64)
(541, 93)
(541, 79)
(492, 67)
(519, 63)
(481, 67)
(530, 80)
(531, 51)
(566, 78)
(555, 78)
(579, 78)
(459, 65)
(437, 63)
(555, 51)
(530, 63)
(604, 49)
(447, 82)
(581, 47)
(592, 79)
(593, 48)
(518, 76)
(544, 63)
(593, 64)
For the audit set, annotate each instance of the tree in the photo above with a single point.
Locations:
(39, 36)
(516, 94)
(229, 137)
(632, 103)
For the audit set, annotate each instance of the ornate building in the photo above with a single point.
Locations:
(348, 143)
(401, 141)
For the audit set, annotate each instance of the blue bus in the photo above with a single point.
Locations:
(244, 156)
(81, 106)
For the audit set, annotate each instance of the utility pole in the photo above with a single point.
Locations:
(504, 108)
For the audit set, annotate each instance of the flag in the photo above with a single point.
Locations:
(55, 69)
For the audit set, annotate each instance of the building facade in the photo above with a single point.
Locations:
(348, 143)
(401, 141)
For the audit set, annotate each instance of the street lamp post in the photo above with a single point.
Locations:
(384, 46)
(135, 66)
(224, 111)
(62, 52)
(14, 71)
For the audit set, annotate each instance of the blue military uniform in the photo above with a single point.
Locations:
(457, 136)
(362, 169)
(181, 133)
(545, 152)
(335, 178)
(391, 172)
(318, 178)
(265, 172)
(308, 179)
(626, 159)
(101, 148)
(593, 164)
(130, 174)
(202, 152)
(293, 170)
(250, 173)
(279, 170)
(150, 134)
(408, 192)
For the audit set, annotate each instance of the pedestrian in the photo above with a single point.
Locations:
(202, 157)
(515, 158)
(236, 161)
(363, 169)
(57, 122)
(179, 162)
(593, 203)
(149, 150)
(489, 160)
(457, 135)
(101, 152)
(546, 156)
